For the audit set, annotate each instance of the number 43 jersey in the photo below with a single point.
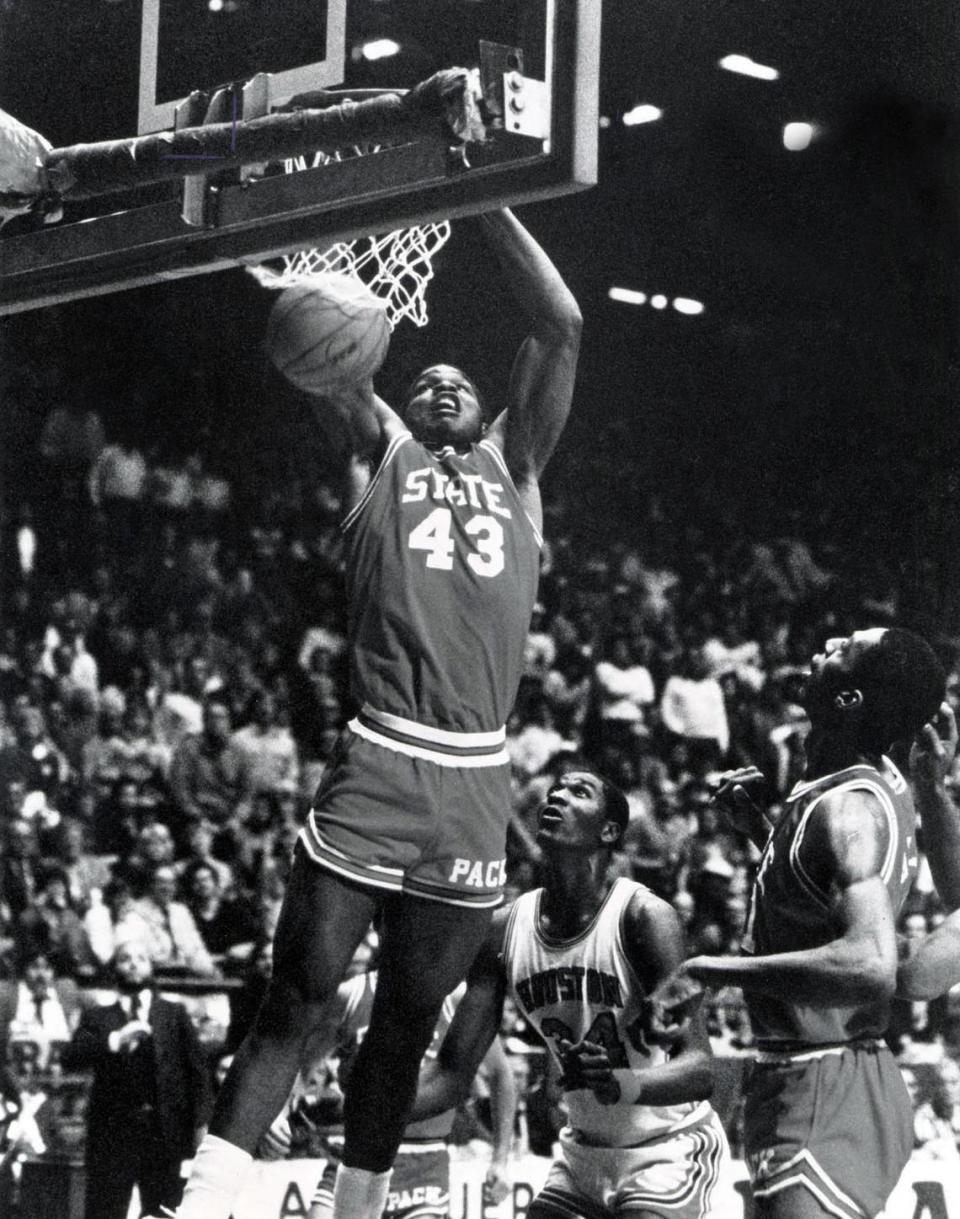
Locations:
(442, 572)
(585, 988)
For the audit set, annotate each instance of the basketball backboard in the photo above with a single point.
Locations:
(544, 143)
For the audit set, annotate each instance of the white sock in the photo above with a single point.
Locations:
(217, 1176)
(359, 1193)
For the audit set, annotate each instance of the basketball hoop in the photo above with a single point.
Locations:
(397, 266)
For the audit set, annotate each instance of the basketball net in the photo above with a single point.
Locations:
(396, 266)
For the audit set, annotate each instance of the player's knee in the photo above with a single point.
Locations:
(290, 1008)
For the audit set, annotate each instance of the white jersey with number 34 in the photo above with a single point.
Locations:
(586, 988)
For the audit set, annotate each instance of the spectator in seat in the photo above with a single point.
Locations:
(113, 920)
(150, 1092)
(210, 776)
(52, 924)
(267, 746)
(693, 711)
(34, 759)
(625, 693)
(85, 872)
(21, 861)
(200, 839)
(38, 1010)
(173, 941)
(228, 926)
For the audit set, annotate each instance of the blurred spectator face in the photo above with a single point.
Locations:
(915, 927)
(55, 894)
(38, 975)
(200, 839)
(29, 725)
(156, 843)
(136, 721)
(72, 841)
(204, 884)
(910, 1083)
(118, 899)
(15, 795)
(735, 908)
(197, 675)
(163, 887)
(132, 965)
(21, 840)
(684, 905)
(264, 710)
(216, 723)
(949, 1078)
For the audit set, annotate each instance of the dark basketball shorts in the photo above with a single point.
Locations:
(677, 1175)
(835, 1121)
(419, 1185)
(414, 815)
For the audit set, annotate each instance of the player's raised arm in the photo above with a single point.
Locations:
(849, 837)
(931, 760)
(446, 1081)
(541, 384)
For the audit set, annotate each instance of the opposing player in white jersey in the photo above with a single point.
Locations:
(580, 957)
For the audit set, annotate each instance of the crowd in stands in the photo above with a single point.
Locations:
(173, 677)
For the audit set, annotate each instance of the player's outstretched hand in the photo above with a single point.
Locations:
(587, 1065)
(934, 748)
(738, 793)
(672, 1006)
(496, 1185)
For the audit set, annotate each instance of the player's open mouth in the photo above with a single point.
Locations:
(549, 816)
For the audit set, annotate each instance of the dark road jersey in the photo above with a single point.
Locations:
(788, 911)
(442, 572)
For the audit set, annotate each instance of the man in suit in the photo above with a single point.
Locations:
(149, 1095)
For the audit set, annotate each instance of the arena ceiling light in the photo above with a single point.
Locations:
(798, 136)
(644, 113)
(379, 48)
(745, 66)
(627, 296)
(686, 304)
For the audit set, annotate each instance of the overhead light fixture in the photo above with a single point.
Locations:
(797, 136)
(604, 121)
(746, 67)
(379, 48)
(659, 301)
(642, 114)
(685, 304)
(627, 296)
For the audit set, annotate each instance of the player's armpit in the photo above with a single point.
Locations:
(847, 840)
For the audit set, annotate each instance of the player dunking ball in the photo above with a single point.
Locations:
(580, 958)
(442, 542)
(828, 1121)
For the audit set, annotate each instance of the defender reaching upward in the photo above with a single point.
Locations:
(442, 532)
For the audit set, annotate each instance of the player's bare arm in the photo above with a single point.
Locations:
(653, 940)
(542, 379)
(503, 1109)
(931, 761)
(359, 425)
(446, 1081)
(740, 795)
(846, 845)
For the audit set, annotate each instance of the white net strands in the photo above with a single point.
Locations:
(396, 266)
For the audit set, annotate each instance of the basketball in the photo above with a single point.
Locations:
(327, 332)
